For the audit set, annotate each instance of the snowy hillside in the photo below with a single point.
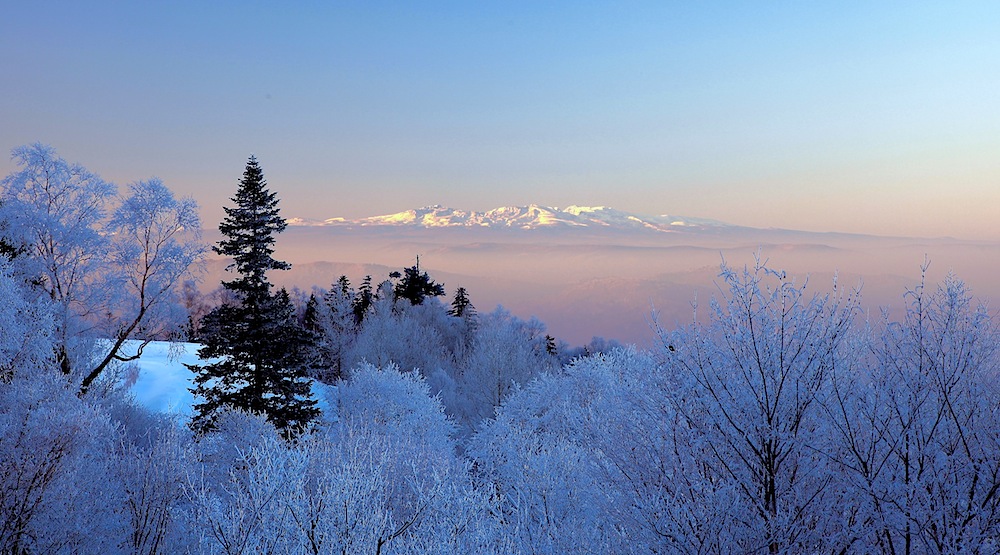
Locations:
(532, 216)
(159, 380)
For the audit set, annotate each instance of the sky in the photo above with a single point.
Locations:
(867, 117)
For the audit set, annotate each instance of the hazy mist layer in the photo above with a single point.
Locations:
(608, 284)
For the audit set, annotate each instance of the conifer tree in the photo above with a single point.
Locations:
(260, 350)
(363, 300)
(311, 316)
(550, 345)
(415, 287)
(461, 305)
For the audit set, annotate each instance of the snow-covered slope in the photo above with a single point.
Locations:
(161, 381)
(532, 216)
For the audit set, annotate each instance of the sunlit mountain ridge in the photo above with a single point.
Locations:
(532, 216)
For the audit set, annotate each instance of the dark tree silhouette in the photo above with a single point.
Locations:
(257, 351)
(461, 306)
(415, 287)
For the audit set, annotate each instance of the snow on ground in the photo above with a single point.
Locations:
(162, 383)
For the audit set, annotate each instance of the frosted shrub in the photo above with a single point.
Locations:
(55, 495)
(379, 477)
(390, 337)
(580, 459)
(395, 404)
(506, 352)
(389, 464)
(26, 328)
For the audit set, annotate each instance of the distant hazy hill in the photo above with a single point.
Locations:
(532, 216)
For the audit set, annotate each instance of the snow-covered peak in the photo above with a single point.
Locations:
(527, 217)
(532, 216)
(579, 210)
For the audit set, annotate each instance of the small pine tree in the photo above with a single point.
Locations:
(339, 329)
(343, 287)
(461, 305)
(415, 287)
(311, 316)
(550, 345)
(260, 347)
(363, 300)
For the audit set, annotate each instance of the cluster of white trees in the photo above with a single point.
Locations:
(472, 362)
(108, 265)
(783, 423)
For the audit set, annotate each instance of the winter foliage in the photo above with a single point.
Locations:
(782, 421)
(109, 265)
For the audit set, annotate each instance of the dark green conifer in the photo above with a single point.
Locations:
(461, 306)
(311, 316)
(363, 300)
(255, 348)
(415, 287)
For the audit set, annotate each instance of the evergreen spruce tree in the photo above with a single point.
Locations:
(259, 347)
(363, 300)
(311, 316)
(415, 287)
(461, 305)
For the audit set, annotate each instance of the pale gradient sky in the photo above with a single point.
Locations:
(872, 117)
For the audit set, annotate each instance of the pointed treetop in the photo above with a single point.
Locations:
(250, 227)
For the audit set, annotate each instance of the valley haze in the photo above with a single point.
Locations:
(597, 271)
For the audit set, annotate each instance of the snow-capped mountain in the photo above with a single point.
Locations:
(532, 216)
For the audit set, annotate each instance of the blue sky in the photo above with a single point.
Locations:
(873, 117)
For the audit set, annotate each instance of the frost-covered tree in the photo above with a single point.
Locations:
(396, 332)
(750, 406)
(507, 352)
(56, 210)
(55, 460)
(362, 301)
(583, 460)
(461, 305)
(391, 469)
(237, 497)
(26, 327)
(463, 309)
(256, 352)
(151, 468)
(336, 329)
(196, 304)
(107, 278)
(156, 239)
(379, 476)
(916, 425)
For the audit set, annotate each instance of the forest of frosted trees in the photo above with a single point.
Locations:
(778, 421)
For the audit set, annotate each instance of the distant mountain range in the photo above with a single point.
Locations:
(532, 216)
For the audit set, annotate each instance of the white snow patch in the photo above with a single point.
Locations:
(163, 383)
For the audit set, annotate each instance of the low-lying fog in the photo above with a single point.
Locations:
(584, 283)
